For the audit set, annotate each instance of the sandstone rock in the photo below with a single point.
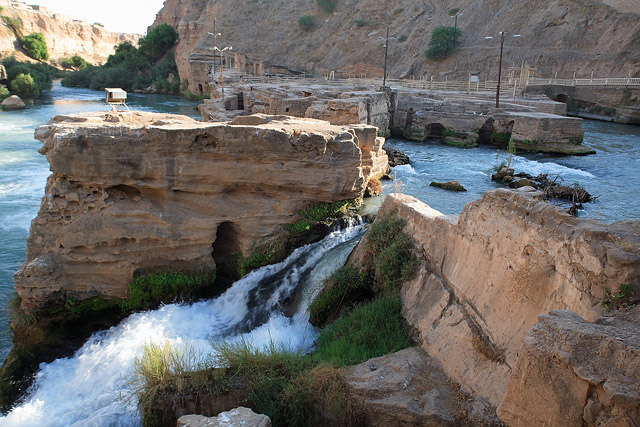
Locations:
(165, 192)
(449, 185)
(408, 388)
(487, 275)
(64, 36)
(239, 417)
(13, 102)
(594, 370)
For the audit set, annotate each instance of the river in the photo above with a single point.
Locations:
(610, 174)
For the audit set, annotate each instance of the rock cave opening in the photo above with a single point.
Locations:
(225, 252)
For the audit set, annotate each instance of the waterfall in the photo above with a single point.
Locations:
(85, 390)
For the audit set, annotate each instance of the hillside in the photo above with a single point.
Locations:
(563, 36)
(64, 36)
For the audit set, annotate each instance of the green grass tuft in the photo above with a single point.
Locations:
(370, 330)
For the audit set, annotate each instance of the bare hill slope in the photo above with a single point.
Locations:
(563, 36)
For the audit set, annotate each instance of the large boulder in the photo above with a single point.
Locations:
(164, 192)
(574, 373)
(13, 102)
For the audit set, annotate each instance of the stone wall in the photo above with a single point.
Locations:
(486, 276)
(166, 192)
(615, 103)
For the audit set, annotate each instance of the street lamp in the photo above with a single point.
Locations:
(386, 49)
(502, 33)
(455, 34)
(222, 65)
(215, 36)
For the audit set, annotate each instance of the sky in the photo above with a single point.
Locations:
(124, 16)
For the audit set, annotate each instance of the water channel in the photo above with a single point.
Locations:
(94, 376)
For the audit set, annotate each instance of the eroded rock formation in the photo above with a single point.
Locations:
(164, 192)
(64, 36)
(594, 367)
(487, 275)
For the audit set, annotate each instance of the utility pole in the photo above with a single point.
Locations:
(502, 33)
(386, 48)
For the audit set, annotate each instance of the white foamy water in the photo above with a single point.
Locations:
(83, 390)
(533, 167)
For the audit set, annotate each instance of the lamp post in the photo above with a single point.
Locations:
(502, 33)
(222, 65)
(215, 36)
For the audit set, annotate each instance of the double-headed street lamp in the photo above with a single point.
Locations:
(502, 33)
(215, 36)
(217, 49)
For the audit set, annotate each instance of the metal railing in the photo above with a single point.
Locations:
(507, 85)
(626, 81)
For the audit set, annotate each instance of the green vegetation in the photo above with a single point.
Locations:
(402, 38)
(389, 262)
(320, 213)
(306, 22)
(500, 138)
(370, 330)
(144, 293)
(453, 11)
(98, 24)
(444, 40)
(327, 5)
(398, 10)
(4, 93)
(258, 257)
(619, 300)
(35, 46)
(511, 149)
(14, 24)
(76, 62)
(134, 68)
(361, 22)
(347, 285)
(25, 87)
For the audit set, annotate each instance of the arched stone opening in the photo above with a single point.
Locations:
(225, 252)
(200, 87)
(564, 98)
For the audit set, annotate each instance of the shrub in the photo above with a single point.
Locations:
(360, 22)
(327, 5)
(344, 286)
(306, 22)
(444, 40)
(370, 330)
(4, 93)
(24, 86)
(14, 24)
(402, 38)
(149, 290)
(76, 62)
(35, 46)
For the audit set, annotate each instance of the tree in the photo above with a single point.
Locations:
(24, 86)
(158, 41)
(443, 41)
(76, 62)
(35, 46)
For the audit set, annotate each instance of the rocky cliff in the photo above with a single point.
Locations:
(163, 192)
(485, 278)
(64, 36)
(563, 36)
